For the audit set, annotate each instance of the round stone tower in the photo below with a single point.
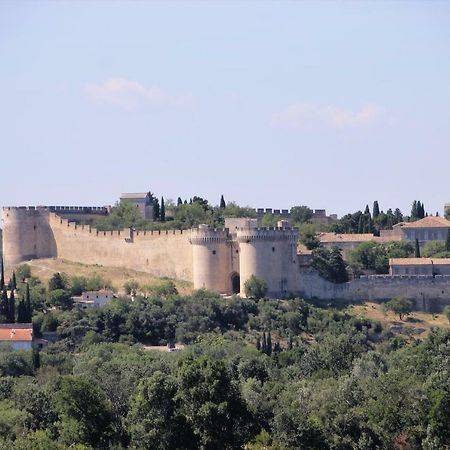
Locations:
(26, 235)
(270, 254)
(211, 259)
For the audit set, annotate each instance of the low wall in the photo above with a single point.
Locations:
(427, 292)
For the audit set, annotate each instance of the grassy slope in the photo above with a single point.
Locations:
(418, 323)
(45, 268)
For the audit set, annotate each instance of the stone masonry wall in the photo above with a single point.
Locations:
(427, 292)
(165, 253)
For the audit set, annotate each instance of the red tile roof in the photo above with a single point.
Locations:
(16, 334)
(429, 222)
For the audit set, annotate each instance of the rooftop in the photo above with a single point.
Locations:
(13, 332)
(336, 237)
(419, 261)
(140, 195)
(429, 222)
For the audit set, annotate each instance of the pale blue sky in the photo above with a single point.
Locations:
(273, 104)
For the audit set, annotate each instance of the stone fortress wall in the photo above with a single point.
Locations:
(220, 260)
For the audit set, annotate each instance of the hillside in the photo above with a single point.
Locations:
(45, 268)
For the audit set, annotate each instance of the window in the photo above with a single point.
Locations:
(273, 249)
(213, 252)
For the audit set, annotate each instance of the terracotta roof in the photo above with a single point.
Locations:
(418, 261)
(429, 222)
(334, 237)
(16, 334)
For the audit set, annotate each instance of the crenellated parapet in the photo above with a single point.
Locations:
(204, 235)
(247, 235)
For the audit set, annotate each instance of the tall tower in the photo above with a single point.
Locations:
(211, 254)
(270, 254)
(26, 234)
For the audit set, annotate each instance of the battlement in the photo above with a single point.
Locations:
(267, 234)
(204, 234)
(103, 210)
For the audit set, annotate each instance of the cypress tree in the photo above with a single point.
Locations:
(264, 343)
(414, 210)
(376, 209)
(11, 308)
(222, 202)
(2, 279)
(28, 307)
(447, 241)
(422, 211)
(417, 249)
(179, 201)
(14, 282)
(368, 225)
(398, 216)
(367, 210)
(162, 213)
(155, 209)
(269, 343)
(258, 344)
(361, 224)
(290, 344)
(36, 359)
(21, 312)
(4, 307)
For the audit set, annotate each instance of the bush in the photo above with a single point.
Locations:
(255, 287)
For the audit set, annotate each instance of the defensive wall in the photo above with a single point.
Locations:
(429, 293)
(37, 232)
(220, 260)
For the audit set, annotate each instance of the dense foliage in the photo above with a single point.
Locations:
(264, 374)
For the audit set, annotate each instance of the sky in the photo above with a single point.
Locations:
(273, 104)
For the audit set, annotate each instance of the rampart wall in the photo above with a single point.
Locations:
(428, 293)
(162, 253)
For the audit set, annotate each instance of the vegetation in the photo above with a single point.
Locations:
(255, 287)
(330, 264)
(374, 256)
(255, 373)
(400, 306)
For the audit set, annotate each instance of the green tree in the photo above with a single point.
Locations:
(60, 298)
(255, 287)
(400, 306)
(330, 264)
(23, 272)
(13, 281)
(179, 201)
(4, 307)
(417, 249)
(85, 415)
(223, 205)
(301, 214)
(376, 209)
(212, 404)
(269, 344)
(11, 317)
(21, 312)
(155, 419)
(308, 236)
(162, 213)
(28, 305)
(439, 418)
(447, 241)
(57, 281)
